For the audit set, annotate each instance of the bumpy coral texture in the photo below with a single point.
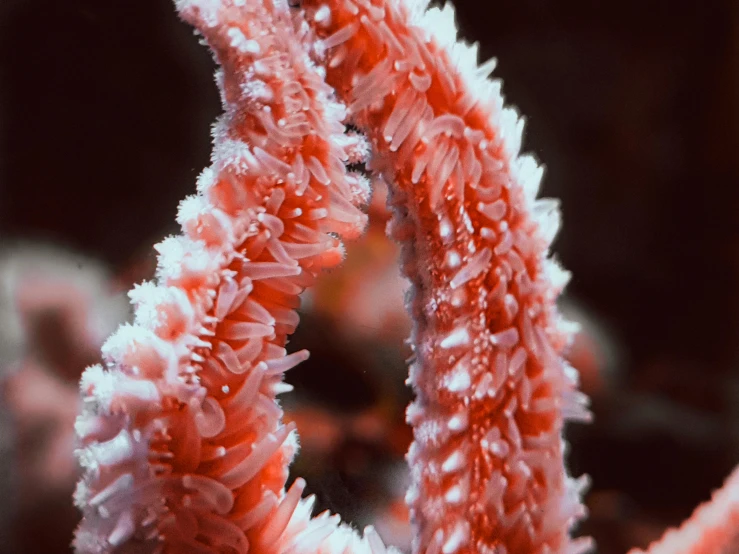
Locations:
(492, 389)
(183, 447)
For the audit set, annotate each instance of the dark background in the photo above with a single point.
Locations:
(105, 109)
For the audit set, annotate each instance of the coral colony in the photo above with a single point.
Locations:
(181, 437)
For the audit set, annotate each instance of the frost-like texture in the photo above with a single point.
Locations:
(492, 388)
(183, 445)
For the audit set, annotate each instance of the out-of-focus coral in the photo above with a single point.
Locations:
(712, 529)
(366, 293)
(48, 295)
(56, 307)
(594, 351)
(348, 405)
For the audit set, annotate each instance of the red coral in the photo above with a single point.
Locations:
(492, 388)
(185, 450)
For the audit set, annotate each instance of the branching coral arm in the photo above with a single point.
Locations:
(712, 529)
(183, 447)
(492, 388)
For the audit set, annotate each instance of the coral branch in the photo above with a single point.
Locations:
(183, 445)
(492, 388)
(712, 529)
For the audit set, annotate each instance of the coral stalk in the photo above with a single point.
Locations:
(493, 390)
(183, 447)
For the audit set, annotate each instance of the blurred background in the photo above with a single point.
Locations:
(105, 110)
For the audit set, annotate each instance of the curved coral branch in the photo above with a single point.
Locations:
(492, 388)
(183, 447)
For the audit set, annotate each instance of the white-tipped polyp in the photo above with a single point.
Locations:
(140, 352)
(200, 13)
(439, 24)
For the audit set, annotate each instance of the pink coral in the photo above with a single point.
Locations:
(184, 448)
(492, 387)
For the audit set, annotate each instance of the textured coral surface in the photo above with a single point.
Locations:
(492, 388)
(185, 448)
